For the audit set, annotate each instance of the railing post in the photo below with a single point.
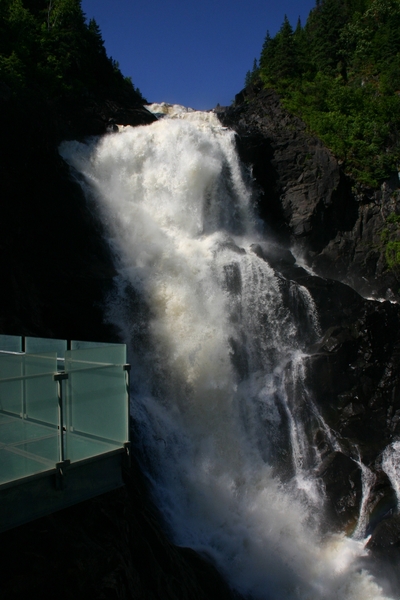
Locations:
(127, 369)
(23, 399)
(127, 446)
(60, 377)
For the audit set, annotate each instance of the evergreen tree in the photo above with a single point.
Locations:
(303, 64)
(252, 76)
(49, 44)
(341, 74)
(323, 30)
(279, 55)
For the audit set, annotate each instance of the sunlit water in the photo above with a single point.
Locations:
(219, 396)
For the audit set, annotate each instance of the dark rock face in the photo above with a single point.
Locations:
(309, 202)
(353, 373)
(385, 546)
(96, 118)
(342, 507)
(55, 268)
(111, 548)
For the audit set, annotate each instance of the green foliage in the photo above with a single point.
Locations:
(47, 45)
(393, 218)
(341, 74)
(392, 254)
(385, 235)
(278, 59)
(252, 76)
(389, 237)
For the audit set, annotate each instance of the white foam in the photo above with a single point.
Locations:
(211, 348)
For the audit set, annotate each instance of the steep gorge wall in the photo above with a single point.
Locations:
(56, 270)
(54, 267)
(305, 196)
(312, 207)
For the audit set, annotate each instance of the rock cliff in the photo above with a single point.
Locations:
(55, 272)
(54, 266)
(340, 228)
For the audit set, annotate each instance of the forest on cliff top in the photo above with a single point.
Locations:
(49, 50)
(340, 74)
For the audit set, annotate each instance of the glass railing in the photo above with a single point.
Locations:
(59, 405)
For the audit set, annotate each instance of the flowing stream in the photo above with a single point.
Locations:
(217, 341)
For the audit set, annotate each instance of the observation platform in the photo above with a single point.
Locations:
(64, 424)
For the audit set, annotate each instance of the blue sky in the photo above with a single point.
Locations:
(191, 53)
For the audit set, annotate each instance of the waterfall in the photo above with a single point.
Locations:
(391, 466)
(221, 410)
(368, 479)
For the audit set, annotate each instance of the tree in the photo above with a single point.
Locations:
(279, 56)
(48, 44)
(341, 75)
(252, 76)
(323, 29)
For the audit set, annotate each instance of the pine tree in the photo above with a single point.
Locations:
(48, 43)
(279, 56)
(341, 74)
(252, 76)
(323, 30)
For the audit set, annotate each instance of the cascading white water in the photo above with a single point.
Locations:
(218, 396)
(391, 466)
(368, 479)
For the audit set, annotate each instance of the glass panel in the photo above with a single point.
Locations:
(19, 430)
(14, 465)
(77, 345)
(98, 401)
(45, 448)
(11, 392)
(11, 343)
(114, 354)
(80, 447)
(35, 345)
(41, 398)
(26, 448)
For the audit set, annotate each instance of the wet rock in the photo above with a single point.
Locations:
(340, 472)
(387, 536)
(383, 502)
(384, 545)
(276, 256)
(308, 201)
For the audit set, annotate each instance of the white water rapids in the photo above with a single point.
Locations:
(219, 396)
